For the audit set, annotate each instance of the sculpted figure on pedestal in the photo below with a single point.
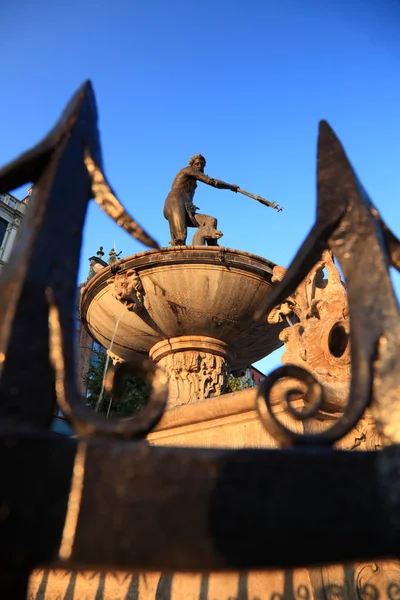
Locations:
(206, 234)
(179, 209)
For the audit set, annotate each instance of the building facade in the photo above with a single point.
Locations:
(11, 214)
(88, 349)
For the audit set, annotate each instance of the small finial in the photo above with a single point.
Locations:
(27, 197)
(100, 252)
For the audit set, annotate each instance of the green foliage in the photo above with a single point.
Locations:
(136, 394)
(236, 384)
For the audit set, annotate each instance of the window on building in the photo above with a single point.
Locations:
(96, 347)
(3, 227)
(93, 359)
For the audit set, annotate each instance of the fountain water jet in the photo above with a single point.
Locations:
(103, 383)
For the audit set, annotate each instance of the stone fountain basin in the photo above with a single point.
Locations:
(188, 291)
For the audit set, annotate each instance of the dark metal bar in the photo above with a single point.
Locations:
(14, 583)
(194, 509)
(45, 257)
(38, 285)
(35, 482)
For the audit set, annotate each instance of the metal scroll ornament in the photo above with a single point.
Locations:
(348, 224)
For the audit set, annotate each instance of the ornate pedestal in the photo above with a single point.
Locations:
(197, 367)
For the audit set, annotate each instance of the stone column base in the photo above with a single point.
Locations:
(197, 367)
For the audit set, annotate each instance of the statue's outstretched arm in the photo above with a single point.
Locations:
(221, 185)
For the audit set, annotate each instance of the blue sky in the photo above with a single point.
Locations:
(244, 83)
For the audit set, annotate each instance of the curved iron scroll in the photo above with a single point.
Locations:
(349, 224)
(39, 282)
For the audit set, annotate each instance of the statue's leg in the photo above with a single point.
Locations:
(178, 237)
(175, 213)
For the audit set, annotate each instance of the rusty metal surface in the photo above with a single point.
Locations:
(195, 509)
(171, 508)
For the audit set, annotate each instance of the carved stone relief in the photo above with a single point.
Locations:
(364, 436)
(378, 580)
(128, 289)
(317, 336)
(115, 359)
(194, 376)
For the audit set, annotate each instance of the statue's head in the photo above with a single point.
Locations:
(198, 162)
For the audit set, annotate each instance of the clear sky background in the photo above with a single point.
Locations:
(242, 82)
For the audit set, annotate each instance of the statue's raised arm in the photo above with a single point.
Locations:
(217, 183)
(179, 208)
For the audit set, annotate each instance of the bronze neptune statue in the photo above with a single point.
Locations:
(179, 209)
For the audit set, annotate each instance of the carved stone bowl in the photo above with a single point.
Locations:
(184, 291)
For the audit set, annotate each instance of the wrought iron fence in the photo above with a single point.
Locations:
(61, 497)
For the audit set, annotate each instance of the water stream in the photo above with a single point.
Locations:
(103, 383)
